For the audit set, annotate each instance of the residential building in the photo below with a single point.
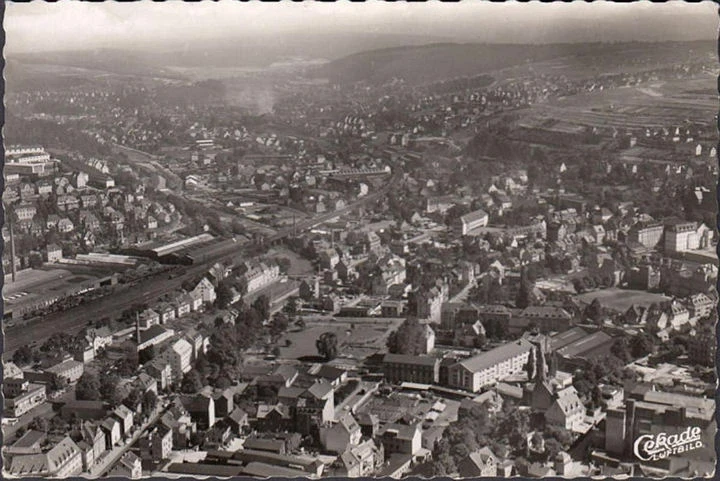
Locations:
(153, 336)
(648, 235)
(429, 303)
(681, 237)
(543, 318)
(129, 466)
(22, 396)
(94, 437)
(361, 460)
(406, 368)
(402, 438)
(123, 414)
(471, 221)
(479, 464)
(161, 371)
(238, 420)
(99, 338)
(113, 432)
(179, 356)
(61, 461)
(201, 409)
(70, 370)
(329, 258)
(53, 253)
(148, 318)
(700, 306)
(702, 348)
(316, 405)
(260, 275)
(25, 212)
(205, 290)
(157, 444)
(567, 411)
(338, 435)
(490, 367)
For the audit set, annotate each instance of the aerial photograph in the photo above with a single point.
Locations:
(344, 240)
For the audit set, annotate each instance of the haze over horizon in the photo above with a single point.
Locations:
(73, 25)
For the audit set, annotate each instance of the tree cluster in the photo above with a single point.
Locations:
(409, 338)
(476, 428)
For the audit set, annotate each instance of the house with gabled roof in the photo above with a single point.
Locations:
(113, 431)
(480, 463)
(361, 460)
(336, 436)
(129, 466)
(567, 411)
(62, 460)
(123, 414)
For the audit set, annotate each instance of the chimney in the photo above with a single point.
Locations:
(12, 249)
(137, 328)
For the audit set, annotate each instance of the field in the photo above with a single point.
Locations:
(621, 299)
(368, 336)
(660, 104)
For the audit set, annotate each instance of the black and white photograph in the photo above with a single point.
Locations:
(359, 239)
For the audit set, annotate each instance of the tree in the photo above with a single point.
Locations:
(223, 294)
(126, 367)
(279, 324)
(146, 355)
(641, 345)
(621, 349)
(57, 383)
(262, 306)
(480, 341)
(552, 448)
(327, 345)
(88, 387)
(40, 423)
(109, 391)
(133, 398)
(58, 425)
(530, 365)
(594, 310)
(23, 356)
(192, 382)
(408, 339)
(149, 401)
(524, 295)
(291, 306)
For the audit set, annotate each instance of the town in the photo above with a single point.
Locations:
(501, 274)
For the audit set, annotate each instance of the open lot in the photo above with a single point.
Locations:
(298, 265)
(621, 299)
(366, 338)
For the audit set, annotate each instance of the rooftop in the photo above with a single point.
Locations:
(497, 355)
(412, 360)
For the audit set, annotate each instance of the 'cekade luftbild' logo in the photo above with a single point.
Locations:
(653, 447)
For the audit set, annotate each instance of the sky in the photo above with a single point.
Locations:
(75, 25)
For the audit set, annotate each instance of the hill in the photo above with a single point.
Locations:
(90, 62)
(440, 61)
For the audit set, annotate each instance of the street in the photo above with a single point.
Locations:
(109, 458)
